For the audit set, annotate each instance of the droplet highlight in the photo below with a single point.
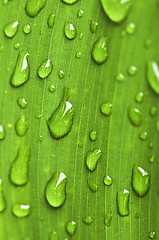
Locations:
(107, 181)
(93, 26)
(87, 220)
(27, 29)
(93, 135)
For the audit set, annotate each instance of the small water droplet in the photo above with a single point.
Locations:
(120, 77)
(21, 71)
(21, 126)
(130, 28)
(40, 138)
(93, 135)
(61, 74)
(11, 29)
(140, 181)
(93, 26)
(132, 70)
(147, 43)
(139, 97)
(51, 20)
(153, 76)
(78, 55)
(123, 33)
(55, 191)
(92, 159)
(1, 48)
(152, 159)
(80, 13)
(92, 185)
(87, 220)
(108, 181)
(150, 145)
(61, 120)
(3, 204)
(123, 202)
(137, 215)
(81, 35)
(135, 116)
(33, 7)
(19, 168)
(45, 68)
(143, 135)
(22, 102)
(27, 29)
(70, 31)
(106, 109)
(69, 1)
(20, 210)
(100, 50)
(2, 132)
(52, 88)
(108, 219)
(117, 10)
(152, 235)
(71, 227)
(53, 236)
(38, 116)
(153, 111)
(16, 45)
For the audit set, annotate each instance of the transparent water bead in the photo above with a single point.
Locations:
(21, 126)
(108, 219)
(100, 50)
(70, 31)
(21, 210)
(51, 20)
(45, 69)
(33, 7)
(135, 116)
(11, 29)
(123, 202)
(71, 227)
(92, 159)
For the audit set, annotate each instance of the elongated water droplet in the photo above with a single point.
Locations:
(51, 20)
(116, 10)
(11, 29)
(53, 236)
(135, 116)
(22, 102)
(93, 26)
(143, 135)
(106, 108)
(153, 76)
(70, 30)
(130, 28)
(71, 227)
(52, 88)
(81, 36)
(20, 210)
(92, 159)
(61, 120)
(93, 135)
(69, 1)
(123, 202)
(152, 235)
(92, 185)
(21, 126)
(80, 13)
(2, 132)
(139, 97)
(55, 192)
(33, 7)
(108, 181)
(108, 219)
(140, 181)
(61, 74)
(132, 70)
(2, 198)
(100, 50)
(21, 71)
(45, 68)
(27, 29)
(87, 220)
(153, 111)
(19, 168)
(120, 77)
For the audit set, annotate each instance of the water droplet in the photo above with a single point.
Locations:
(20, 210)
(93, 26)
(139, 97)
(147, 43)
(2, 132)
(152, 235)
(70, 30)
(61, 120)
(78, 55)
(51, 20)
(1, 48)
(2, 198)
(152, 159)
(71, 227)
(123, 202)
(38, 116)
(137, 215)
(11, 29)
(61, 74)
(69, 1)
(106, 109)
(45, 68)
(140, 181)
(27, 29)
(21, 126)
(92, 159)
(55, 192)
(153, 111)
(150, 145)
(80, 13)
(21, 71)
(120, 77)
(22, 102)
(5, 2)
(135, 116)
(92, 185)
(132, 70)
(153, 76)
(19, 168)
(53, 236)
(87, 220)
(81, 35)
(108, 219)
(33, 7)
(130, 28)
(93, 135)
(40, 138)
(16, 45)
(108, 181)
(143, 135)
(52, 88)
(117, 10)
(99, 50)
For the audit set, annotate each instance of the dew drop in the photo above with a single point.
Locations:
(108, 219)
(93, 135)
(152, 235)
(61, 120)
(150, 145)
(78, 55)
(70, 31)
(130, 28)
(5, 2)
(135, 116)
(152, 159)
(93, 26)
(1, 48)
(147, 43)
(55, 191)
(3, 204)
(143, 135)
(53, 236)
(81, 36)
(108, 181)
(21, 71)
(33, 7)
(123, 202)
(38, 116)
(140, 181)
(100, 50)
(69, 1)
(40, 138)
(92, 159)
(92, 185)
(80, 13)
(16, 45)
(51, 20)
(71, 227)
(21, 126)
(61, 74)
(139, 97)
(117, 10)
(132, 70)
(2, 132)
(19, 168)
(20, 210)
(153, 76)
(87, 220)
(52, 88)
(45, 69)
(153, 111)
(120, 77)
(11, 29)
(22, 102)
(27, 29)
(106, 109)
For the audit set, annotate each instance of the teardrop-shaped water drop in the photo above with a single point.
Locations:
(69, 1)
(22, 102)
(71, 227)
(19, 168)
(21, 210)
(33, 7)
(2, 132)
(153, 76)
(92, 159)
(51, 20)
(100, 50)
(80, 13)
(61, 120)
(135, 116)
(21, 126)
(93, 26)
(55, 191)
(108, 219)
(53, 236)
(11, 29)
(21, 71)
(116, 10)
(27, 29)
(108, 181)
(92, 185)
(2, 198)
(45, 68)
(87, 220)
(70, 31)
(52, 88)
(123, 202)
(140, 181)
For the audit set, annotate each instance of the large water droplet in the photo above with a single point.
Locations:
(2, 198)
(93, 135)
(19, 168)
(21, 126)
(33, 7)
(99, 50)
(92, 185)
(123, 202)
(92, 159)
(2, 132)
(55, 192)
(140, 181)
(116, 10)
(27, 29)
(108, 219)
(69, 1)
(106, 108)
(87, 220)
(61, 120)
(51, 20)
(71, 227)
(22, 102)
(20, 210)
(135, 116)
(21, 71)
(70, 30)
(93, 26)
(153, 76)
(11, 29)
(53, 236)
(45, 68)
